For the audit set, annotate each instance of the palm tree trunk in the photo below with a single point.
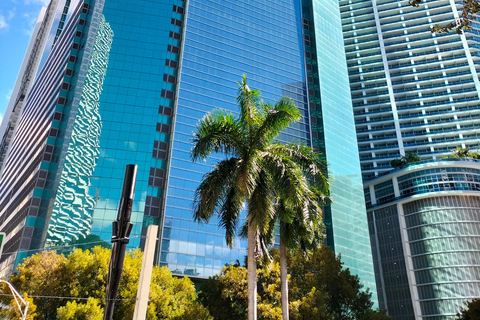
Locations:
(284, 280)
(252, 274)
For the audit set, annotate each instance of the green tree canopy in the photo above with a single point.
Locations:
(404, 160)
(320, 288)
(472, 312)
(53, 281)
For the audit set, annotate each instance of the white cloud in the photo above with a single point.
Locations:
(31, 19)
(8, 95)
(42, 2)
(3, 22)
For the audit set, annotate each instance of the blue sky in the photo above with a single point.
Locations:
(17, 19)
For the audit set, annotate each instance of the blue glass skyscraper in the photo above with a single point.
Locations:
(134, 80)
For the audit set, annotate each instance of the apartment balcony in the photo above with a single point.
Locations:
(361, 128)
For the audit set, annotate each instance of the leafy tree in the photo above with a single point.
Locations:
(319, 289)
(53, 281)
(468, 14)
(256, 171)
(472, 312)
(335, 287)
(404, 160)
(81, 311)
(460, 153)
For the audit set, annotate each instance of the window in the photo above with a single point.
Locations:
(309, 67)
(156, 177)
(34, 206)
(72, 59)
(160, 150)
(313, 120)
(171, 63)
(306, 24)
(311, 92)
(85, 8)
(153, 206)
(306, 40)
(175, 35)
(65, 86)
(314, 134)
(53, 132)
(163, 128)
(61, 101)
(310, 79)
(57, 116)
(166, 111)
(75, 46)
(78, 34)
(168, 94)
(48, 153)
(172, 49)
(308, 54)
(41, 178)
(169, 78)
(177, 22)
(178, 9)
(69, 72)
(81, 22)
(312, 105)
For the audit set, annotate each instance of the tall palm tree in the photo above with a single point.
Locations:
(256, 172)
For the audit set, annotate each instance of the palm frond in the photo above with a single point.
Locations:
(310, 162)
(289, 182)
(247, 100)
(220, 132)
(276, 118)
(230, 213)
(213, 190)
(261, 207)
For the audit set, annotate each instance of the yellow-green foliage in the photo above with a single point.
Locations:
(47, 276)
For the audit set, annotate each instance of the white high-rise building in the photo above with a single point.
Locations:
(413, 90)
(416, 91)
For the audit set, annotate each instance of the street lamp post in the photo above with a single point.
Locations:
(121, 229)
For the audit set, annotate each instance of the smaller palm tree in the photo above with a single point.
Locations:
(300, 224)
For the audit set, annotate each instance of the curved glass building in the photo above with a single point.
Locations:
(425, 232)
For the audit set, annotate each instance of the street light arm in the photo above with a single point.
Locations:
(17, 296)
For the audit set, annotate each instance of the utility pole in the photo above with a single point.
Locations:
(145, 274)
(121, 229)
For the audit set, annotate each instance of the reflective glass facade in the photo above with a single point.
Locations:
(425, 240)
(133, 82)
(333, 120)
(236, 39)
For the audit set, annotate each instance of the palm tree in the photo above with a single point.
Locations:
(256, 172)
(300, 227)
(461, 153)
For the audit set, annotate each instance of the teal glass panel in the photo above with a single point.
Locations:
(346, 217)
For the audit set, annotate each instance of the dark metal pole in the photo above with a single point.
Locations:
(120, 232)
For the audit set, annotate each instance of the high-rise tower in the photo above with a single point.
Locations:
(412, 90)
(419, 92)
(127, 82)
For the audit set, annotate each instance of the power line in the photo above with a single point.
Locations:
(60, 297)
